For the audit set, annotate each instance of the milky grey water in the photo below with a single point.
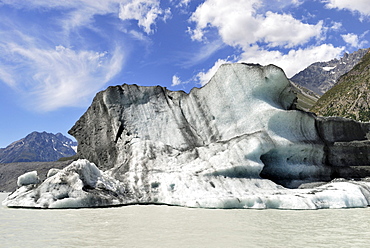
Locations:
(164, 226)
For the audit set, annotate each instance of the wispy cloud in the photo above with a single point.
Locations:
(360, 6)
(63, 77)
(146, 12)
(189, 59)
(6, 77)
(66, 65)
(81, 12)
(354, 40)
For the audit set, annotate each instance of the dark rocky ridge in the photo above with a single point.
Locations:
(350, 97)
(38, 147)
(319, 77)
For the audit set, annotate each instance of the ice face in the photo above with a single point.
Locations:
(235, 143)
(80, 184)
(52, 172)
(28, 178)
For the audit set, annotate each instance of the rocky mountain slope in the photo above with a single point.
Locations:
(321, 76)
(350, 97)
(38, 147)
(235, 143)
(305, 97)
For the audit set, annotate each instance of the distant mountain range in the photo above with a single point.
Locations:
(319, 77)
(350, 96)
(38, 147)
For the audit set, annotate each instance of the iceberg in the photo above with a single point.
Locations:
(237, 142)
(28, 178)
(80, 184)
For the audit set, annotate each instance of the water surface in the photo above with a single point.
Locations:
(164, 226)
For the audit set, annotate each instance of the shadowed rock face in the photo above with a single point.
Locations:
(230, 144)
(321, 76)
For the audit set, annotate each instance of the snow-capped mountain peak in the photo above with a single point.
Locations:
(38, 147)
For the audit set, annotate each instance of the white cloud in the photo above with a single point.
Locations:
(184, 3)
(283, 30)
(139, 36)
(280, 4)
(81, 12)
(229, 18)
(336, 26)
(353, 40)
(204, 77)
(361, 6)
(6, 77)
(239, 24)
(77, 12)
(291, 63)
(176, 81)
(259, 33)
(62, 77)
(295, 60)
(146, 12)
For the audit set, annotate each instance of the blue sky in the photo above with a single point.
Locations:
(56, 55)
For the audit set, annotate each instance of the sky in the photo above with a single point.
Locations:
(56, 55)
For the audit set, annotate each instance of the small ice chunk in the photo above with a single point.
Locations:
(52, 172)
(28, 178)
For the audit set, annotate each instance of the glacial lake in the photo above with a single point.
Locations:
(165, 226)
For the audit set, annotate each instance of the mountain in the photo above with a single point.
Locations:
(305, 97)
(233, 143)
(38, 147)
(321, 76)
(350, 97)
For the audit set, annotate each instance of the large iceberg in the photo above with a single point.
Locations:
(237, 142)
